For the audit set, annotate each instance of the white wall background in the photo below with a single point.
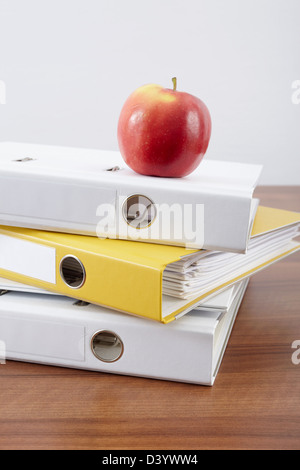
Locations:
(69, 65)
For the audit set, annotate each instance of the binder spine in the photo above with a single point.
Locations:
(68, 335)
(115, 283)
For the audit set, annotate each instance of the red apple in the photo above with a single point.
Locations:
(163, 132)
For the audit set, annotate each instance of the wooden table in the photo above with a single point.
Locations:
(254, 404)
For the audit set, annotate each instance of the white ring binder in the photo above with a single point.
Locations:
(86, 179)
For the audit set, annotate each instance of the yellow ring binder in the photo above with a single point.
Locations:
(149, 280)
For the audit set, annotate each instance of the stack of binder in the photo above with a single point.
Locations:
(107, 270)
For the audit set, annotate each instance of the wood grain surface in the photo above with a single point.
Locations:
(254, 404)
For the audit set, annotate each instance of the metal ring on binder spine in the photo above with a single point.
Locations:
(72, 272)
(139, 211)
(107, 346)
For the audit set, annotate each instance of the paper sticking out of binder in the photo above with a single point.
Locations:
(220, 301)
(149, 280)
(56, 330)
(92, 192)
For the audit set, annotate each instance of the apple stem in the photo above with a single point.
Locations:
(174, 80)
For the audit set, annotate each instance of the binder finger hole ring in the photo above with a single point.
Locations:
(72, 272)
(139, 211)
(107, 346)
